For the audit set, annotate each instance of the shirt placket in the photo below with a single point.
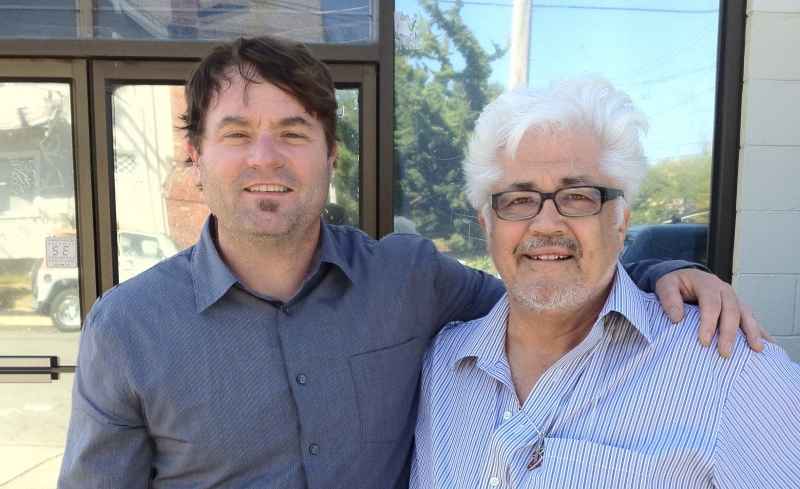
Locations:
(509, 427)
(545, 407)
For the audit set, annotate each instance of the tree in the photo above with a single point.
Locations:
(346, 174)
(436, 105)
(674, 187)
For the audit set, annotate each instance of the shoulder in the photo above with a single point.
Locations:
(680, 339)
(405, 249)
(160, 286)
(393, 241)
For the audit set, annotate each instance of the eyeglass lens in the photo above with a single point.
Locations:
(579, 201)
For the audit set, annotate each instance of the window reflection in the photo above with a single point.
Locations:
(39, 305)
(159, 209)
(342, 207)
(313, 21)
(466, 54)
(37, 202)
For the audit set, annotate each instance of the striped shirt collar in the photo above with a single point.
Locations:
(486, 342)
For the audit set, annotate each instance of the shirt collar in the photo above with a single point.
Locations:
(626, 299)
(486, 342)
(335, 249)
(212, 277)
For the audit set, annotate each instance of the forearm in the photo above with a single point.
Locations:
(646, 273)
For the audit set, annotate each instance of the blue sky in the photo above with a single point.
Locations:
(662, 53)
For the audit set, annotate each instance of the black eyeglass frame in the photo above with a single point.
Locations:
(606, 194)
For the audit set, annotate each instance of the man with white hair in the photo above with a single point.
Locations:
(576, 378)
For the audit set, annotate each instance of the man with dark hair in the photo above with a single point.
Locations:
(278, 351)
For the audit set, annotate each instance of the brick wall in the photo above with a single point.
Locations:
(767, 253)
(186, 208)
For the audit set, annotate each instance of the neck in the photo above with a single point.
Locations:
(274, 266)
(536, 340)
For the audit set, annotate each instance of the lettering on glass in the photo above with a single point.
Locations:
(23, 175)
(62, 252)
(406, 30)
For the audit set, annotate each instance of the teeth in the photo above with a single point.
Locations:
(267, 188)
(550, 257)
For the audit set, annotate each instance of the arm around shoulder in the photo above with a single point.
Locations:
(646, 273)
(463, 292)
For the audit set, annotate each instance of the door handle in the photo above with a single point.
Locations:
(24, 369)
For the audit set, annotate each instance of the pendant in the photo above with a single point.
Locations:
(537, 456)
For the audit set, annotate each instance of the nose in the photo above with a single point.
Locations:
(548, 220)
(265, 151)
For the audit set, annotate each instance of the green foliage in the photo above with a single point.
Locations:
(687, 178)
(484, 263)
(435, 110)
(345, 176)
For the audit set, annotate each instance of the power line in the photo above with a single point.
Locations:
(589, 7)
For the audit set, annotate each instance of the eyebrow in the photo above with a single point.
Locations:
(231, 120)
(564, 182)
(293, 121)
(238, 121)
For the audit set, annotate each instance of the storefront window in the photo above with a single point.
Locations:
(451, 59)
(312, 21)
(159, 208)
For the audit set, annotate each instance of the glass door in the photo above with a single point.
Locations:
(154, 208)
(91, 199)
(41, 283)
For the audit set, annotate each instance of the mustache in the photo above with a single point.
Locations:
(535, 243)
(282, 174)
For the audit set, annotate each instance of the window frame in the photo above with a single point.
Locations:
(82, 62)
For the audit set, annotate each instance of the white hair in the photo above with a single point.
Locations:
(588, 104)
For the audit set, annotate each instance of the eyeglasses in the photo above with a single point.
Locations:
(517, 205)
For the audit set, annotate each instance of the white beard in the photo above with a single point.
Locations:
(541, 297)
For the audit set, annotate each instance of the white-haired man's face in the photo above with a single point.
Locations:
(552, 262)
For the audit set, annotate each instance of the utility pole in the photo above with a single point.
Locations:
(520, 42)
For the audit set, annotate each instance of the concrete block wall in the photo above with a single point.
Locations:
(767, 244)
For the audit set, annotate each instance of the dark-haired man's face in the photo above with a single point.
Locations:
(264, 167)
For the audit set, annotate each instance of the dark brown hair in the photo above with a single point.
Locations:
(287, 65)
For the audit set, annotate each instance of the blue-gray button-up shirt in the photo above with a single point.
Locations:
(186, 379)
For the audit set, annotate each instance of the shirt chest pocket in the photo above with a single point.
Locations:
(386, 384)
(582, 464)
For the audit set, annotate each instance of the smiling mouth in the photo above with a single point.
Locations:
(550, 257)
(267, 188)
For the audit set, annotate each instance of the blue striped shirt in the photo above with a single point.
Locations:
(639, 403)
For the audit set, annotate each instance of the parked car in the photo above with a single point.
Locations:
(55, 290)
(671, 241)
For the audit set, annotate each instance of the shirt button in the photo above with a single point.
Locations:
(287, 310)
(313, 449)
(506, 415)
(301, 379)
(494, 481)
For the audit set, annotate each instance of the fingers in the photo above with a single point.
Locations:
(708, 289)
(729, 320)
(750, 327)
(766, 336)
(719, 307)
(668, 290)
